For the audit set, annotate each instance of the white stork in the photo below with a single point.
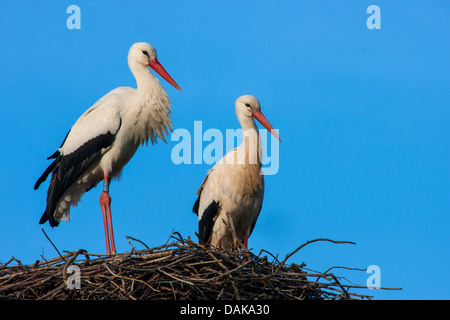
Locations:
(231, 196)
(105, 138)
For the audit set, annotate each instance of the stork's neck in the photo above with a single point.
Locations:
(145, 80)
(251, 144)
(149, 108)
(247, 122)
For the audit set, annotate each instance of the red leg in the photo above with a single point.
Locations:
(111, 233)
(103, 200)
(246, 241)
(105, 204)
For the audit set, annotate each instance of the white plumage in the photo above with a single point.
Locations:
(231, 196)
(105, 138)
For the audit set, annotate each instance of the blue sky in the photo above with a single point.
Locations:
(363, 116)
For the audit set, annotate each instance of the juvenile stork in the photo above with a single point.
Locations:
(105, 138)
(231, 196)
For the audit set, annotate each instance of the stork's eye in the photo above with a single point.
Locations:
(146, 53)
(247, 105)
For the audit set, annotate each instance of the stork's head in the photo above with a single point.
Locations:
(144, 54)
(248, 106)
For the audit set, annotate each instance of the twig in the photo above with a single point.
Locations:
(305, 244)
(137, 240)
(52, 243)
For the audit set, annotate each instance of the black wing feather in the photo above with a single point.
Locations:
(51, 167)
(254, 221)
(44, 176)
(66, 169)
(206, 223)
(196, 205)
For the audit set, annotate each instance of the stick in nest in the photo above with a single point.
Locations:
(179, 269)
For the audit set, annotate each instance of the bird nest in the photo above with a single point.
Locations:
(181, 269)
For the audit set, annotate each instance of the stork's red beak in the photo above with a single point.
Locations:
(155, 65)
(260, 117)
